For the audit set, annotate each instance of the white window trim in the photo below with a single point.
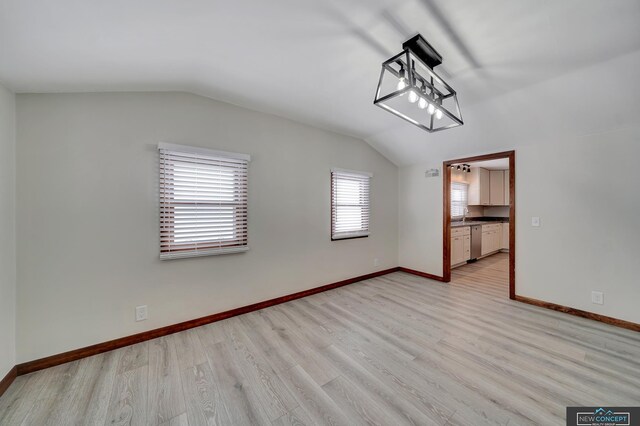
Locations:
(358, 234)
(197, 151)
(202, 151)
(351, 172)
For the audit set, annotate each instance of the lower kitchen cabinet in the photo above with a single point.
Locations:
(486, 242)
(491, 238)
(505, 236)
(457, 250)
(495, 237)
(460, 245)
(467, 247)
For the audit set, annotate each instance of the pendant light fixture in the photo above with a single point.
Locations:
(431, 103)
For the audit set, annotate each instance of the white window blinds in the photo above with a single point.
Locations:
(203, 201)
(459, 192)
(350, 204)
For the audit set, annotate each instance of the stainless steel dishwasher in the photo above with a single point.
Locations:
(476, 241)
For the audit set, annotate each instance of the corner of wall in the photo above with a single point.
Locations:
(8, 267)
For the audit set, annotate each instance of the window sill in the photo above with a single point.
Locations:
(349, 238)
(185, 255)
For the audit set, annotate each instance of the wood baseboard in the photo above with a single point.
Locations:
(421, 274)
(53, 360)
(579, 313)
(8, 379)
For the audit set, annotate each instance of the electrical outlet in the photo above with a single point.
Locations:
(597, 297)
(535, 221)
(141, 313)
(376, 262)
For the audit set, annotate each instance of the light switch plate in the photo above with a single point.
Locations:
(535, 221)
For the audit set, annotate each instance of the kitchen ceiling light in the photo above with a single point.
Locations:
(412, 71)
(465, 167)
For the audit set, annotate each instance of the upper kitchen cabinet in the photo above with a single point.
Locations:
(496, 190)
(488, 187)
(479, 184)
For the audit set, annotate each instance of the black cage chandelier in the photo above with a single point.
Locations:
(409, 88)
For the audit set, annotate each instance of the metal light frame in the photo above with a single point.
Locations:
(418, 49)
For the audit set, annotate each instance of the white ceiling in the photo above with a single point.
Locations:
(312, 61)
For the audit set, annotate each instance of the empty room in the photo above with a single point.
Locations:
(390, 212)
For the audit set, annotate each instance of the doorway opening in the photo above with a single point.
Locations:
(479, 203)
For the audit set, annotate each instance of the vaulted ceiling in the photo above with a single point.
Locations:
(318, 61)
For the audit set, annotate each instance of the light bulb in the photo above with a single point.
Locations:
(422, 103)
(413, 96)
(438, 114)
(431, 109)
(401, 84)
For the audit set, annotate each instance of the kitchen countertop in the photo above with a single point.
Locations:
(458, 224)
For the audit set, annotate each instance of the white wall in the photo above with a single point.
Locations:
(420, 219)
(586, 192)
(88, 214)
(7, 232)
(589, 238)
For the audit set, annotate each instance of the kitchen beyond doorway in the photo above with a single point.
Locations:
(504, 199)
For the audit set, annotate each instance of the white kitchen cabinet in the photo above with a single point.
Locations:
(505, 236)
(479, 187)
(460, 245)
(467, 247)
(506, 187)
(486, 243)
(457, 250)
(496, 188)
(491, 238)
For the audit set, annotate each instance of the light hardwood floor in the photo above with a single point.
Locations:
(393, 350)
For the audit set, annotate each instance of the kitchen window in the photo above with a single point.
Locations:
(350, 204)
(203, 201)
(459, 191)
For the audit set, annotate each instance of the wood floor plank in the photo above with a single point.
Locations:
(128, 405)
(377, 388)
(180, 420)
(300, 348)
(189, 348)
(273, 396)
(165, 393)
(87, 400)
(357, 404)
(295, 417)
(313, 399)
(240, 401)
(44, 410)
(203, 397)
(133, 357)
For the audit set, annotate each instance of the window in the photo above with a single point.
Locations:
(203, 201)
(458, 199)
(350, 204)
